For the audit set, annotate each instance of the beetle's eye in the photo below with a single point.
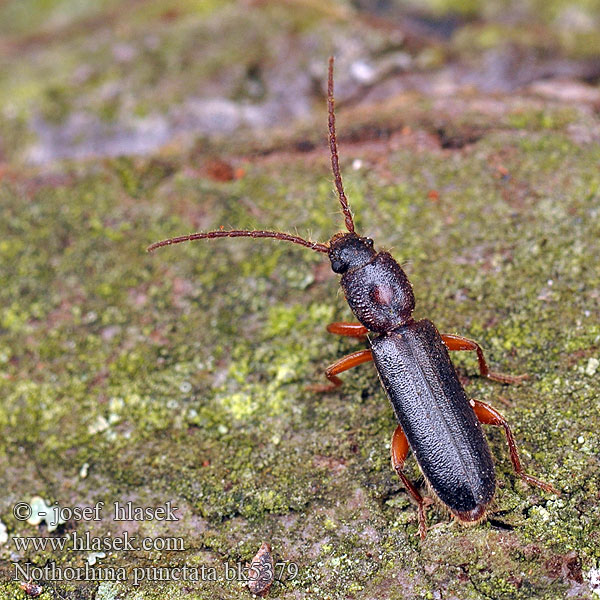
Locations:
(369, 242)
(338, 266)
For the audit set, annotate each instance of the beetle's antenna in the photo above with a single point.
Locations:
(278, 235)
(335, 163)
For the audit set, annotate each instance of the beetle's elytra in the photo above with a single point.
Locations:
(435, 418)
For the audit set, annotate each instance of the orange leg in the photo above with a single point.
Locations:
(348, 329)
(457, 342)
(490, 416)
(399, 453)
(341, 365)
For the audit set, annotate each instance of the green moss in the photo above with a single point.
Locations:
(581, 44)
(542, 119)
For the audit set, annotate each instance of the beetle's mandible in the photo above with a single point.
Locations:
(435, 418)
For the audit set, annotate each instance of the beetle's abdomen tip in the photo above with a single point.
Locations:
(471, 517)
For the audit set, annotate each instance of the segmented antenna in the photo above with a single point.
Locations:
(335, 163)
(278, 235)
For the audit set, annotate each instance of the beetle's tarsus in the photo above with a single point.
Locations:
(458, 343)
(490, 416)
(339, 366)
(508, 379)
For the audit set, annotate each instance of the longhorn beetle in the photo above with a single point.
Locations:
(435, 418)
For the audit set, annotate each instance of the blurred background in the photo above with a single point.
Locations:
(82, 79)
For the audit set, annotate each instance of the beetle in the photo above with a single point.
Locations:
(435, 418)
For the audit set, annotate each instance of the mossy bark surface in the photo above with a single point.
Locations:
(182, 377)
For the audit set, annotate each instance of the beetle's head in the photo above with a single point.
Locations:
(349, 251)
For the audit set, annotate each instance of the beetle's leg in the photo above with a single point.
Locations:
(349, 329)
(457, 342)
(399, 451)
(341, 365)
(490, 416)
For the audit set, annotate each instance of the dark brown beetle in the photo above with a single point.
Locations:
(436, 419)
